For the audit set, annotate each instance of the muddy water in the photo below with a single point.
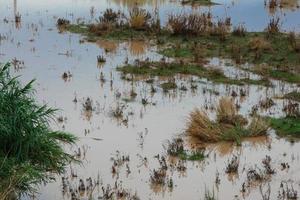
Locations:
(47, 54)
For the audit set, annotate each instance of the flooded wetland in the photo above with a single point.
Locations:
(167, 99)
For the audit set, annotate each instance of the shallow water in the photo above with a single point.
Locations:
(47, 54)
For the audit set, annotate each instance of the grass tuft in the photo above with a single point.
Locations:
(229, 125)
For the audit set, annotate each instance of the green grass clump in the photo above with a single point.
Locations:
(295, 96)
(288, 126)
(30, 152)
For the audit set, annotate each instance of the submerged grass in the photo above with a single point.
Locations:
(176, 148)
(30, 152)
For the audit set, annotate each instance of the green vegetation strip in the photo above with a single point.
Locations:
(171, 69)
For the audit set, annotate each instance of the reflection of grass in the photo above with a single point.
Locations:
(209, 195)
(30, 152)
(288, 126)
(171, 69)
(132, 4)
(199, 2)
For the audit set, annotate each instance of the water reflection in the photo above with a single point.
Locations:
(137, 47)
(132, 3)
(284, 6)
(108, 45)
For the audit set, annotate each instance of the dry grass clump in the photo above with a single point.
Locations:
(101, 28)
(272, 4)
(239, 30)
(139, 19)
(258, 126)
(199, 24)
(193, 24)
(229, 125)
(227, 113)
(202, 127)
(109, 16)
(221, 28)
(259, 45)
(294, 41)
(106, 23)
(273, 26)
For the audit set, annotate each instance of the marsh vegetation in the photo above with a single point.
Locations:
(165, 100)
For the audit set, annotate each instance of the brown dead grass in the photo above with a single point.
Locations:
(229, 125)
(259, 43)
(258, 126)
(202, 127)
(227, 113)
(139, 18)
